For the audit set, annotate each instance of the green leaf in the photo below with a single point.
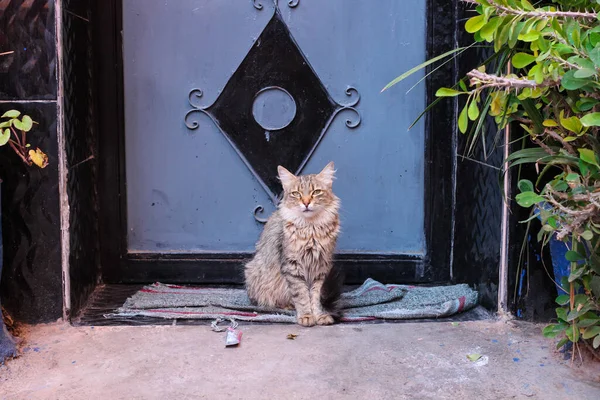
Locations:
(4, 136)
(463, 120)
(586, 104)
(473, 111)
(474, 24)
(584, 323)
(561, 186)
(572, 123)
(595, 56)
(573, 32)
(575, 274)
(514, 32)
(527, 5)
(561, 312)
(488, 30)
(447, 92)
(534, 114)
(525, 185)
(570, 82)
(548, 228)
(588, 156)
(583, 167)
(11, 114)
(421, 66)
(582, 62)
(521, 60)
(527, 199)
(592, 119)
(530, 36)
(563, 299)
(6, 124)
(572, 177)
(596, 342)
(501, 37)
(573, 256)
(591, 332)
(552, 330)
(27, 123)
(587, 235)
(584, 73)
(561, 343)
(473, 357)
(18, 124)
(549, 123)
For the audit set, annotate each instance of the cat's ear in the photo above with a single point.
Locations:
(286, 177)
(328, 174)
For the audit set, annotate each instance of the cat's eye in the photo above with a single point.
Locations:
(317, 192)
(296, 194)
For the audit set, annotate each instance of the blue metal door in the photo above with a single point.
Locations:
(217, 93)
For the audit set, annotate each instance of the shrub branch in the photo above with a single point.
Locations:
(506, 10)
(495, 81)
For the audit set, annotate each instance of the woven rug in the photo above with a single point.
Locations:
(372, 300)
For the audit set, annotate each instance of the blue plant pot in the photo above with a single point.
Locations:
(8, 348)
(560, 265)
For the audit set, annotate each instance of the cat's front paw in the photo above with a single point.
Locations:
(306, 320)
(325, 319)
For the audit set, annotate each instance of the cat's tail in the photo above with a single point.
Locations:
(332, 291)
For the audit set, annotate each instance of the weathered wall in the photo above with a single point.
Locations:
(31, 282)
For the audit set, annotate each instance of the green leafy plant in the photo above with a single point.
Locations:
(544, 76)
(13, 131)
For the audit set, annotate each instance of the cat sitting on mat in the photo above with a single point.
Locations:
(293, 264)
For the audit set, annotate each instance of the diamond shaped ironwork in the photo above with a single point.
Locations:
(274, 62)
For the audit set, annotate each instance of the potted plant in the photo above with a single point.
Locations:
(544, 75)
(14, 128)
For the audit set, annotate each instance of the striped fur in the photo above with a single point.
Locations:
(292, 267)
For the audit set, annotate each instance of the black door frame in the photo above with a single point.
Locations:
(120, 267)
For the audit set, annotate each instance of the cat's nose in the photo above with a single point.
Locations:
(306, 202)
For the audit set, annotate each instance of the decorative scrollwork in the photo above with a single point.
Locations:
(293, 3)
(352, 123)
(351, 92)
(259, 210)
(195, 93)
(257, 4)
(193, 96)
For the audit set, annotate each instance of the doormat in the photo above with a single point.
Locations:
(371, 301)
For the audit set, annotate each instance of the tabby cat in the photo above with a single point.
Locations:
(292, 267)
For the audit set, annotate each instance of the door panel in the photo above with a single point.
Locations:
(195, 190)
(199, 100)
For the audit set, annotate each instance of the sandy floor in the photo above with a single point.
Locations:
(393, 361)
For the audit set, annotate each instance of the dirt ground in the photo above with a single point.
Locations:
(367, 361)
